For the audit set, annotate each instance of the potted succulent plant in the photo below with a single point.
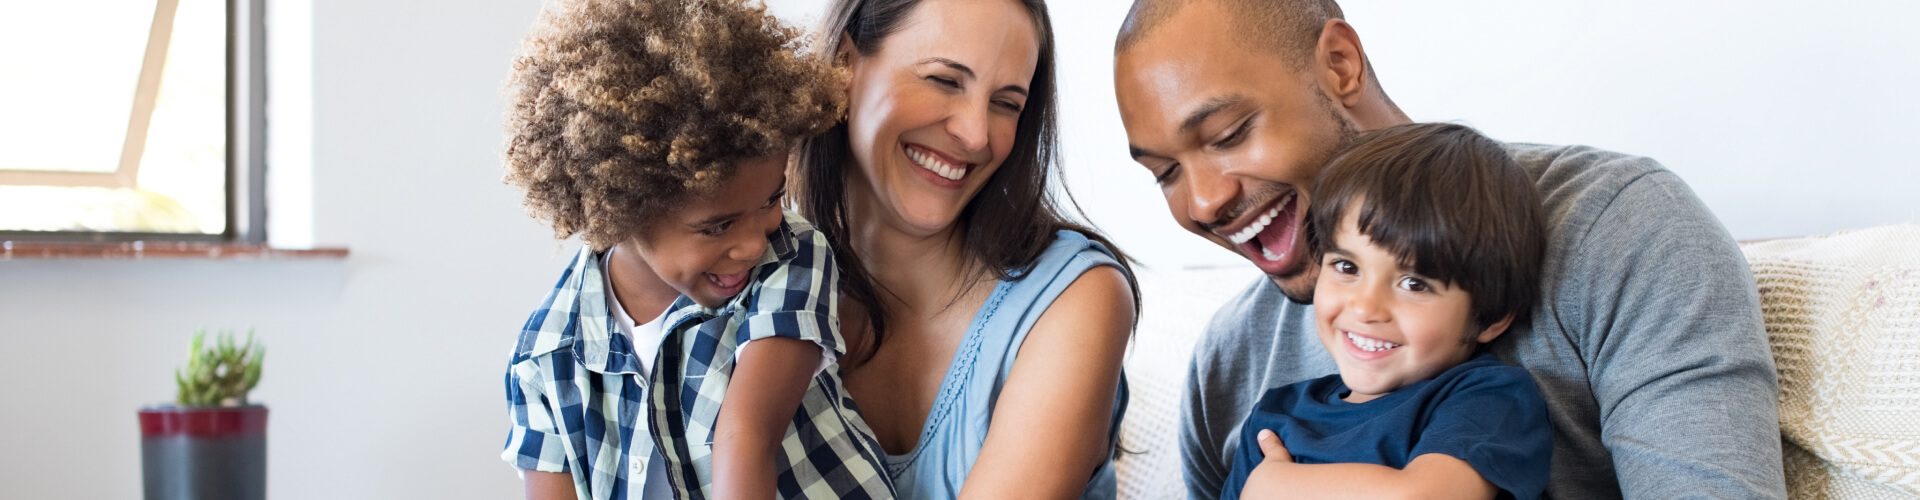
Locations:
(212, 443)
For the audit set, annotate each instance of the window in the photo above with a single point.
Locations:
(131, 119)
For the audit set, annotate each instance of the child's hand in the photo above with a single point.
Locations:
(1264, 480)
(1273, 449)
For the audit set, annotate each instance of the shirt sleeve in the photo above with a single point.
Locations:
(1495, 420)
(1664, 308)
(534, 442)
(799, 297)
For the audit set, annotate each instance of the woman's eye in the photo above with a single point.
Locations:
(1344, 266)
(944, 81)
(1413, 284)
(1008, 105)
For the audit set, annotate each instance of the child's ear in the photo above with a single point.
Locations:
(1494, 330)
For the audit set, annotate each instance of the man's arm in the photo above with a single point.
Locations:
(1432, 475)
(1201, 451)
(767, 385)
(1664, 308)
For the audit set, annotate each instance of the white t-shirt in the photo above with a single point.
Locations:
(650, 484)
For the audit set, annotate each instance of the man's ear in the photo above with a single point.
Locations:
(1494, 330)
(1342, 63)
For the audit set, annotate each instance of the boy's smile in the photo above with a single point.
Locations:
(708, 248)
(1385, 326)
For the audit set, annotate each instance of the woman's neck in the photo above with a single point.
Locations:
(919, 274)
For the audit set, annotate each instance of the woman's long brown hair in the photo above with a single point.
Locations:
(1005, 227)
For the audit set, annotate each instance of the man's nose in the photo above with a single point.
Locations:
(1209, 193)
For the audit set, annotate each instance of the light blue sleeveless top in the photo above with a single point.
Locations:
(957, 425)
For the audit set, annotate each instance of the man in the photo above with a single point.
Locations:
(1647, 341)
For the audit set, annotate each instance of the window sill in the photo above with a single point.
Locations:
(140, 250)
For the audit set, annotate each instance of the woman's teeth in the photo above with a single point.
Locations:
(934, 164)
(1254, 229)
(1367, 344)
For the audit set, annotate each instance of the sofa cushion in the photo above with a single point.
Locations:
(1843, 315)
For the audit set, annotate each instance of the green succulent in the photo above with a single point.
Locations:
(219, 375)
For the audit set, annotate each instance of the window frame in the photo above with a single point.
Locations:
(246, 98)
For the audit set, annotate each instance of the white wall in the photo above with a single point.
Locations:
(384, 370)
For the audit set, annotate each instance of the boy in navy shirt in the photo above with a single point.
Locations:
(1431, 241)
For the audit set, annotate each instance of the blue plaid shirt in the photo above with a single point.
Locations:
(575, 391)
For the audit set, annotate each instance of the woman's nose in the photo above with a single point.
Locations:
(969, 126)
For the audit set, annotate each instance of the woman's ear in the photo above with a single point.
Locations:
(1494, 330)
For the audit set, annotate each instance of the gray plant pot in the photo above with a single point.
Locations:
(215, 453)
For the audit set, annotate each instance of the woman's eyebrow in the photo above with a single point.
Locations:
(963, 69)
(951, 64)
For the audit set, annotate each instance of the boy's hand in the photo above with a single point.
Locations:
(1266, 477)
(1273, 449)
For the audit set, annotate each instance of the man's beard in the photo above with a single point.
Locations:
(1297, 286)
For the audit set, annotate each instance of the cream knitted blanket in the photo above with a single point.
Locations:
(1843, 316)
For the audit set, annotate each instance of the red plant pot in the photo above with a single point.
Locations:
(204, 453)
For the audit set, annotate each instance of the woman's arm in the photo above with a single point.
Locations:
(1050, 426)
(1432, 475)
(767, 385)
(549, 485)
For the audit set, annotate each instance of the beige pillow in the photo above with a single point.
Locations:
(1843, 316)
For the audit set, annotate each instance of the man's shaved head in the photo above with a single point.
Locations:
(1287, 28)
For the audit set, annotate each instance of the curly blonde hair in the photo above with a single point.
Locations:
(622, 109)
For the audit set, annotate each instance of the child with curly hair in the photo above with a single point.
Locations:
(659, 131)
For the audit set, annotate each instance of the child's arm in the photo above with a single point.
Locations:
(1432, 475)
(549, 485)
(767, 386)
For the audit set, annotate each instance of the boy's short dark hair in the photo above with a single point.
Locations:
(620, 110)
(1446, 200)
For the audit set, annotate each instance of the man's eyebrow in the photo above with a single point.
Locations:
(963, 69)
(1207, 109)
(1137, 152)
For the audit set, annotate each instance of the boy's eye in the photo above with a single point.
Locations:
(717, 229)
(1344, 266)
(1413, 284)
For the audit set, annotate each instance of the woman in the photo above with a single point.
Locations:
(994, 327)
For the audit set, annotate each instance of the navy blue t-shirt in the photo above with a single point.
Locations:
(1483, 412)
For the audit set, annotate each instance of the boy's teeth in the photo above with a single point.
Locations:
(1255, 228)
(1371, 345)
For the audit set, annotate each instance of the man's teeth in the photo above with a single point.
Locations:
(934, 164)
(1254, 229)
(1367, 344)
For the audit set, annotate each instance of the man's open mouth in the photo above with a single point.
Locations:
(1270, 240)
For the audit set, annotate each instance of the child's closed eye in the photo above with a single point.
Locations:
(717, 229)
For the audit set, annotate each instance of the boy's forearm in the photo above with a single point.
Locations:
(1428, 476)
(767, 385)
